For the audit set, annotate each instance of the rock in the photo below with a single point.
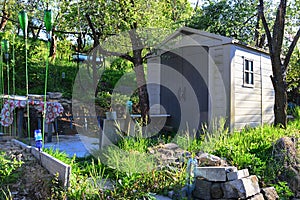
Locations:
(159, 197)
(171, 146)
(202, 189)
(214, 173)
(169, 153)
(216, 191)
(205, 159)
(237, 175)
(285, 154)
(54, 95)
(285, 151)
(269, 193)
(241, 188)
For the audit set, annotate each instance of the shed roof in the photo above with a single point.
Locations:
(209, 39)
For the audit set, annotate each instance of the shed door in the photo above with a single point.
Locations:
(184, 93)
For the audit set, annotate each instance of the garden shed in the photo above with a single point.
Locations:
(198, 77)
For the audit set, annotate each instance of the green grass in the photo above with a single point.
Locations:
(135, 175)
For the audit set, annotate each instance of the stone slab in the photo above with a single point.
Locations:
(237, 175)
(241, 188)
(214, 173)
(111, 133)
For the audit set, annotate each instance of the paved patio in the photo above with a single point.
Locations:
(78, 144)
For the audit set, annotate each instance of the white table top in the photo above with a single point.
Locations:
(151, 115)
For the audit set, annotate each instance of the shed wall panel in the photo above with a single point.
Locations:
(268, 94)
(247, 99)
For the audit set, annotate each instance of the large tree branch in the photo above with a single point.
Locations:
(291, 49)
(278, 28)
(4, 20)
(265, 24)
(97, 43)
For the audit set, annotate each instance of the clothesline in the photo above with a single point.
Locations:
(53, 109)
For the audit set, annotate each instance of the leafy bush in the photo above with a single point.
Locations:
(8, 165)
(283, 190)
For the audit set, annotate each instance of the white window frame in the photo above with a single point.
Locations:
(248, 73)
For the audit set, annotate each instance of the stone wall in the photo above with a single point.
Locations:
(229, 183)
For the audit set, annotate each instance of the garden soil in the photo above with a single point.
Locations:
(33, 180)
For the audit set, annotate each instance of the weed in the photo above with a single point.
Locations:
(283, 190)
(5, 194)
(7, 166)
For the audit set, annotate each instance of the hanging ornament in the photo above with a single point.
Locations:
(48, 20)
(5, 47)
(23, 19)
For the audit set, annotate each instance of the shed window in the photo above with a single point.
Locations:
(248, 73)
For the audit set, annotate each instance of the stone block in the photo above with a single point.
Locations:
(241, 188)
(214, 173)
(202, 189)
(257, 197)
(216, 191)
(269, 193)
(112, 130)
(237, 175)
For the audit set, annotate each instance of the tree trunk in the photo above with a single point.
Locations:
(142, 86)
(280, 106)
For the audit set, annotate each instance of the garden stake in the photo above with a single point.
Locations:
(2, 81)
(48, 24)
(5, 46)
(24, 24)
(14, 81)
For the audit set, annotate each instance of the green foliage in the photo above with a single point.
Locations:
(293, 76)
(138, 144)
(60, 155)
(188, 141)
(8, 173)
(114, 72)
(235, 19)
(283, 190)
(296, 112)
(5, 194)
(37, 54)
(8, 166)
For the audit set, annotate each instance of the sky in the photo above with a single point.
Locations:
(193, 2)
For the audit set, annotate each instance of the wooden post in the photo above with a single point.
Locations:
(55, 125)
(39, 119)
(49, 134)
(20, 119)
